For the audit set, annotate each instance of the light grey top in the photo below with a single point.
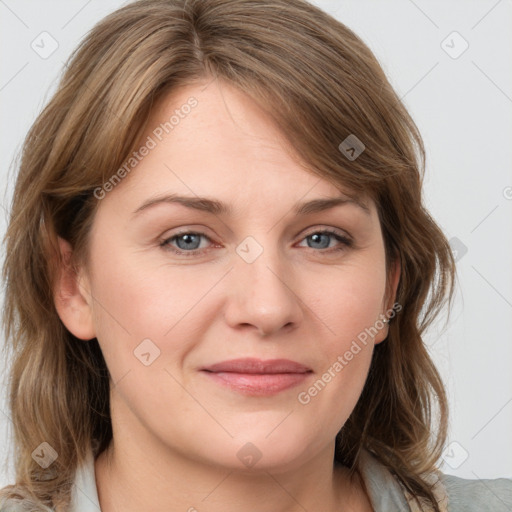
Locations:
(386, 494)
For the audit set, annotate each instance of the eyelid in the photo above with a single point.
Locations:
(337, 231)
(305, 232)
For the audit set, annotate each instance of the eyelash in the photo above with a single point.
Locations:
(345, 242)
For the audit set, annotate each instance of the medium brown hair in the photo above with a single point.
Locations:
(320, 83)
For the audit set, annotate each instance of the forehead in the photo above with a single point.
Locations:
(211, 140)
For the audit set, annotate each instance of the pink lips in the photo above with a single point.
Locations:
(256, 377)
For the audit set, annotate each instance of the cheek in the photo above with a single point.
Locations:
(349, 308)
(134, 302)
(351, 301)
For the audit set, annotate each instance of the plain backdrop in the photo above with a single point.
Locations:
(451, 63)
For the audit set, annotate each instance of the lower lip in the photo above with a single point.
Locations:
(256, 384)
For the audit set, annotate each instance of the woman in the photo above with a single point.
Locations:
(190, 331)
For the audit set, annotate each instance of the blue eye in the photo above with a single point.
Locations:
(324, 236)
(188, 242)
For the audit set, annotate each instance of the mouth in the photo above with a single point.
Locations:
(255, 377)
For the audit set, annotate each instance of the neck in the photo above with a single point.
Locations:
(130, 479)
(149, 475)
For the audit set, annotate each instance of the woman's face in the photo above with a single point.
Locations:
(174, 290)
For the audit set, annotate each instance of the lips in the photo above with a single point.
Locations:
(257, 377)
(258, 366)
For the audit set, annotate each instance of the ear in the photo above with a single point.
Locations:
(71, 296)
(390, 298)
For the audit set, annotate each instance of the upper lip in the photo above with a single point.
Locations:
(258, 366)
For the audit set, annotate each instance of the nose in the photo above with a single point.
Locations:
(262, 296)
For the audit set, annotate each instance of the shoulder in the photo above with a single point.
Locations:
(466, 495)
(15, 499)
(21, 506)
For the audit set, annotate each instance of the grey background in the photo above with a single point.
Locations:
(463, 107)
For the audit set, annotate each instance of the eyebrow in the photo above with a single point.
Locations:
(216, 207)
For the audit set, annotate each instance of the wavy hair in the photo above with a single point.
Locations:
(320, 83)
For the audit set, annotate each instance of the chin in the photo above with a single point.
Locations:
(260, 450)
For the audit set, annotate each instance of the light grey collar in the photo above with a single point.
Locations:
(84, 494)
(384, 490)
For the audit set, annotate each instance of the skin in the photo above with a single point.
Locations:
(177, 433)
